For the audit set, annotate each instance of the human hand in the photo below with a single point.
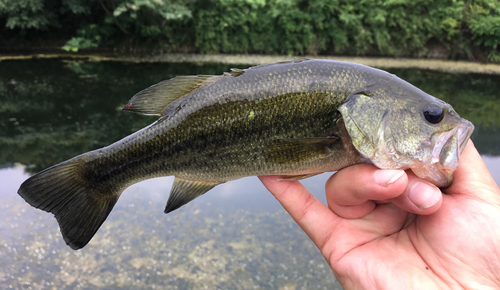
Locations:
(406, 234)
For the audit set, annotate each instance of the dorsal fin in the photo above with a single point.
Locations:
(295, 60)
(235, 72)
(153, 100)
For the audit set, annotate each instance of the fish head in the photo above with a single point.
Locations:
(405, 128)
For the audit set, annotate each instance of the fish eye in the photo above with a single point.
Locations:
(434, 114)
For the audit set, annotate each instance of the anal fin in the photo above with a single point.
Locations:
(185, 190)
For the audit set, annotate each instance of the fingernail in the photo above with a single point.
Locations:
(424, 195)
(386, 177)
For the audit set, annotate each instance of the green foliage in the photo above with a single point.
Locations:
(391, 27)
(230, 26)
(370, 27)
(25, 14)
(485, 25)
(168, 10)
(91, 35)
(76, 43)
(145, 21)
(38, 14)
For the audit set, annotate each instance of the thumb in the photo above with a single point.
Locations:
(472, 177)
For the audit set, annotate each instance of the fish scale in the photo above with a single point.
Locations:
(295, 118)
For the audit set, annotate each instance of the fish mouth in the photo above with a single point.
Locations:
(446, 154)
(449, 145)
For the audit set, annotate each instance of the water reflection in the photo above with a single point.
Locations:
(235, 237)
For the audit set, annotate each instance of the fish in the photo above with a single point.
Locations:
(295, 118)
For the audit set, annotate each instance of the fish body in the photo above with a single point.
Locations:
(295, 118)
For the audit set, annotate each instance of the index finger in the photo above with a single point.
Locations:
(317, 220)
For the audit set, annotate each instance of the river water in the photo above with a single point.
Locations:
(235, 237)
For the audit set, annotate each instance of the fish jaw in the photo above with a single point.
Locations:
(447, 147)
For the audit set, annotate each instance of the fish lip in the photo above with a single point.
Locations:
(465, 130)
(460, 134)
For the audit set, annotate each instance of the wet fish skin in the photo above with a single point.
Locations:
(292, 118)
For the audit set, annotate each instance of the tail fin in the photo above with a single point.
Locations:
(79, 208)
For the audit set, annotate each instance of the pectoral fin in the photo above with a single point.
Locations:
(298, 177)
(184, 191)
(300, 149)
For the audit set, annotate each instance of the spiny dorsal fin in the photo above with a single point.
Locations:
(295, 60)
(299, 149)
(235, 72)
(153, 100)
(299, 58)
(185, 190)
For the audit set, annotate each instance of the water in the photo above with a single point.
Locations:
(235, 237)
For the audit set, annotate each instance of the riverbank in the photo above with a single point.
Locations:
(248, 59)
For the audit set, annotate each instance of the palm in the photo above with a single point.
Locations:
(429, 253)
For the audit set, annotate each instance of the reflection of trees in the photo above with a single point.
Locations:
(51, 111)
(487, 139)
(475, 97)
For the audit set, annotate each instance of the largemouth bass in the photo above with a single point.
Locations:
(295, 118)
